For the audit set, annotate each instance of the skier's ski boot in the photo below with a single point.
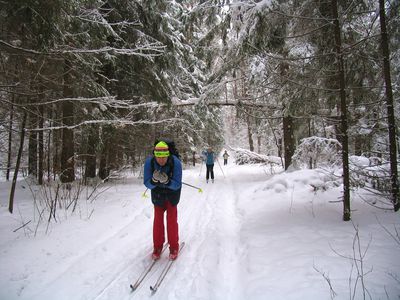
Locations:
(173, 254)
(156, 253)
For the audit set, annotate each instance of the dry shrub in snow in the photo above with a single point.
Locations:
(316, 152)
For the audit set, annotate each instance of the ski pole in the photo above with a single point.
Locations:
(220, 168)
(195, 187)
(201, 167)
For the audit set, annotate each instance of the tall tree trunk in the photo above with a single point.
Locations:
(343, 112)
(56, 144)
(41, 146)
(49, 136)
(33, 143)
(103, 167)
(90, 167)
(288, 140)
(10, 140)
(310, 133)
(67, 149)
(104, 153)
(389, 107)
(250, 134)
(14, 181)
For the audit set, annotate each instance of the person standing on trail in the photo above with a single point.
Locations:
(225, 156)
(209, 158)
(163, 176)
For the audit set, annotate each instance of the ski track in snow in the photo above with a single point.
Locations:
(104, 255)
(212, 234)
(208, 224)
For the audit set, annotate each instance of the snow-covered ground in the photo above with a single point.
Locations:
(250, 235)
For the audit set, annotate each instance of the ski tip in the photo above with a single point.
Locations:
(153, 289)
(133, 288)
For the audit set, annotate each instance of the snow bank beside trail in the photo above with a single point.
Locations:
(294, 234)
(244, 157)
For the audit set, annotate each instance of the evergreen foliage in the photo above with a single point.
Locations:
(104, 78)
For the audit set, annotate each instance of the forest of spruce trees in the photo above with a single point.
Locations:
(86, 86)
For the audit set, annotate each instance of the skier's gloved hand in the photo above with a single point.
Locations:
(155, 180)
(156, 175)
(160, 177)
(163, 178)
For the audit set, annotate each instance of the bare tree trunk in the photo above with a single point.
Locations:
(288, 140)
(67, 150)
(41, 145)
(389, 107)
(49, 114)
(90, 166)
(250, 134)
(10, 140)
(343, 111)
(14, 181)
(310, 133)
(56, 145)
(103, 167)
(32, 148)
(104, 153)
(248, 118)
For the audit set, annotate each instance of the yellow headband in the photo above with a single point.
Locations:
(161, 153)
(161, 149)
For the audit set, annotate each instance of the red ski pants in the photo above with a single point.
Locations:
(172, 226)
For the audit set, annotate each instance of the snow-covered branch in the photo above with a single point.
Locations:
(120, 123)
(244, 156)
(147, 50)
(8, 46)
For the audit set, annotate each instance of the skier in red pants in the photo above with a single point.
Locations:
(163, 176)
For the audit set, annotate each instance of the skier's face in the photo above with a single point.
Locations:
(162, 160)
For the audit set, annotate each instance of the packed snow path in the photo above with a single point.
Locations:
(249, 235)
(209, 224)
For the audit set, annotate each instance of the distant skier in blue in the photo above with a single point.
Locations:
(225, 156)
(209, 158)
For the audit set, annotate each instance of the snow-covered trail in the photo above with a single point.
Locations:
(249, 235)
(211, 227)
(210, 263)
(208, 267)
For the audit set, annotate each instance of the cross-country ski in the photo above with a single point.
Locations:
(145, 272)
(164, 272)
